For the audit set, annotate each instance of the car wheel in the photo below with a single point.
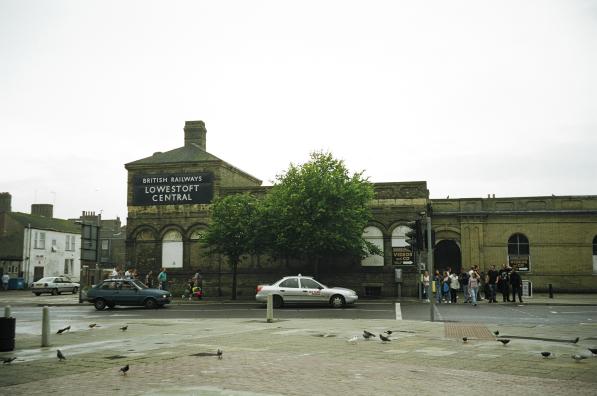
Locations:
(150, 303)
(111, 305)
(99, 304)
(55, 292)
(337, 301)
(38, 294)
(75, 290)
(278, 302)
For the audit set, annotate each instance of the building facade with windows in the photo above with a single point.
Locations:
(36, 245)
(552, 240)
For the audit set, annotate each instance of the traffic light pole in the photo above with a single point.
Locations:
(430, 268)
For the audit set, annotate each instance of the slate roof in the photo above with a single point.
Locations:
(45, 223)
(189, 153)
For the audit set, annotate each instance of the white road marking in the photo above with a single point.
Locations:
(398, 312)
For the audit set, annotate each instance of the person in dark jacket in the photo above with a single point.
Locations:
(516, 283)
(504, 282)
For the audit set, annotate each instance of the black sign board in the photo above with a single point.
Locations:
(521, 262)
(173, 189)
(402, 255)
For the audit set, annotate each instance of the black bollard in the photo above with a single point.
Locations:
(550, 291)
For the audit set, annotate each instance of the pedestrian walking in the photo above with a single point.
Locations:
(446, 288)
(5, 279)
(437, 284)
(425, 282)
(492, 279)
(516, 283)
(473, 284)
(504, 283)
(463, 279)
(150, 279)
(163, 279)
(454, 287)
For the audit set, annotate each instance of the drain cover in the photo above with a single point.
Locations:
(471, 330)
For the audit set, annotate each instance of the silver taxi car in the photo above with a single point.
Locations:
(305, 290)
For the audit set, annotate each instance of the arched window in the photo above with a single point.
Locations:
(172, 250)
(518, 244)
(375, 236)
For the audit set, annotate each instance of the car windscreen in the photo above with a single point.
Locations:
(139, 284)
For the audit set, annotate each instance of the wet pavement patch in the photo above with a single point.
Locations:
(204, 354)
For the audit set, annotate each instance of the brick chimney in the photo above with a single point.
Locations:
(194, 134)
(5, 202)
(44, 210)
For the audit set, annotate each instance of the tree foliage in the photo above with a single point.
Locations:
(231, 232)
(318, 210)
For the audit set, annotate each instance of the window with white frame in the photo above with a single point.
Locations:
(68, 266)
(39, 238)
(70, 243)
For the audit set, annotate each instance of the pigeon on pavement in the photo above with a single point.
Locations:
(92, 325)
(497, 333)
(578, 357)
(464, 339)
(504, 341)
(545, 354)
(124, 369)
(60, 355)
(8, 360)
(367, 334)
(60, 331)
(383, 338)
(576, 340)
(388, 332)
(123, 328)
(220, 353)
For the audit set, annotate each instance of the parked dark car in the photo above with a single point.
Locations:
(114, 291)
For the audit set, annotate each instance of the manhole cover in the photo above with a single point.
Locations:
(471, 330)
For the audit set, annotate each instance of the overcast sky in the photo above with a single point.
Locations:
(474, 97)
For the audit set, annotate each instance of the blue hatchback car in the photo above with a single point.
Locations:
(115, 291)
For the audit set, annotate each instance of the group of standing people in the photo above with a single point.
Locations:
(160, 282)
(446, 286)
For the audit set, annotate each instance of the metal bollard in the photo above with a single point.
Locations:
(7, 312)
(550, 291)
(270, 309)
(45, 327)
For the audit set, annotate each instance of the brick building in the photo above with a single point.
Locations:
(553, 239)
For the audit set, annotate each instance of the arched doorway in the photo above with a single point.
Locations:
(447, 254)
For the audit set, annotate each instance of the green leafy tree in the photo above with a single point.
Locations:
(318, 210)
(231, 232)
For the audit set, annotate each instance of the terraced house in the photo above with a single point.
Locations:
(551, 240)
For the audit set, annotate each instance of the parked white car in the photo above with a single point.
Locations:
(304, 290)
(54, 285)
